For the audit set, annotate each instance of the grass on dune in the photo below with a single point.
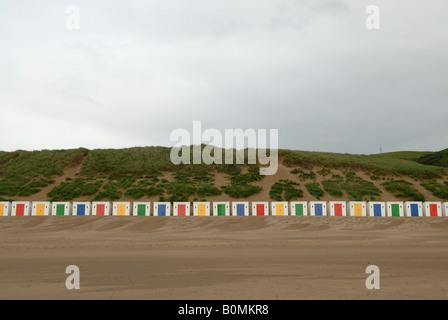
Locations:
(405, 155)
(435, 159)
(285, 190)
(23, 173)
(333, 187)
(439, 190)
(135, 173)
(359, 189)
(76, 188)
(241, 190)
(403, 189)
(315, 190)
(240, 185)
(380, 163)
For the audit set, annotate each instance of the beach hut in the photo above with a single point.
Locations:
(279, 208)
(445, 209)
(201, 209)
(181, 209)
(394, 209)
(337, 208)
(357, 208)
(433, 209)
(81, 208)
(298, 208)
(162, 209)
(318, 208)
(60, 208)
(40, 208)
(121, 209)
(100, 208)
(221, 209)
(141, 209)
(20, 208)
(5, 208)
(413, 209)
(260, 208)
(376, 209)
(240, 209)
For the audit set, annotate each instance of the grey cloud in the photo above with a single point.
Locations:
(137, 70)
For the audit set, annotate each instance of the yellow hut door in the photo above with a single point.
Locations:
(280, 209)
(358, 210)
(40, 210)
(201, 210)
(121, 210)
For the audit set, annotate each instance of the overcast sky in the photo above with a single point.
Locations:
(137, 70)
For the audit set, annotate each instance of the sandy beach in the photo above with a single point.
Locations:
(223, 257)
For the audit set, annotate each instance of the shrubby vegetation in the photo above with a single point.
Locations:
(359, 189)
(439, 190)
(285, 190)
(315, 189)
(333, 187)
(76, 188)
(403, 189)
(136, 173)
(23, 173)
(380, 163)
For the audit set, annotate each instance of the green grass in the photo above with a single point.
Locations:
(34, 187)
(25, 173)
(439, 190)
(135, 172)
(303, 176)
(435, 159)
(110, 191)
(359, 189)
(76, 188)
(27, 191)
(178, 190)
(33, 164)
(285, 190)
(333, 187)
(405, 155)
(315, 190)
(307, 176)
(241, 190)
(12, 186)
(379, 163)
(128, 162)
(230, 169)
(324, 172)
(207, 190)
(337, 177)
(154, 191)
(403, 189)
(140, 161)
(245, 178)
(135, 193)
(240, 184)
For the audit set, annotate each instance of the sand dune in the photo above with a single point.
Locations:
(223, 257)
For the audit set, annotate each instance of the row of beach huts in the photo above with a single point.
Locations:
(254, 208)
